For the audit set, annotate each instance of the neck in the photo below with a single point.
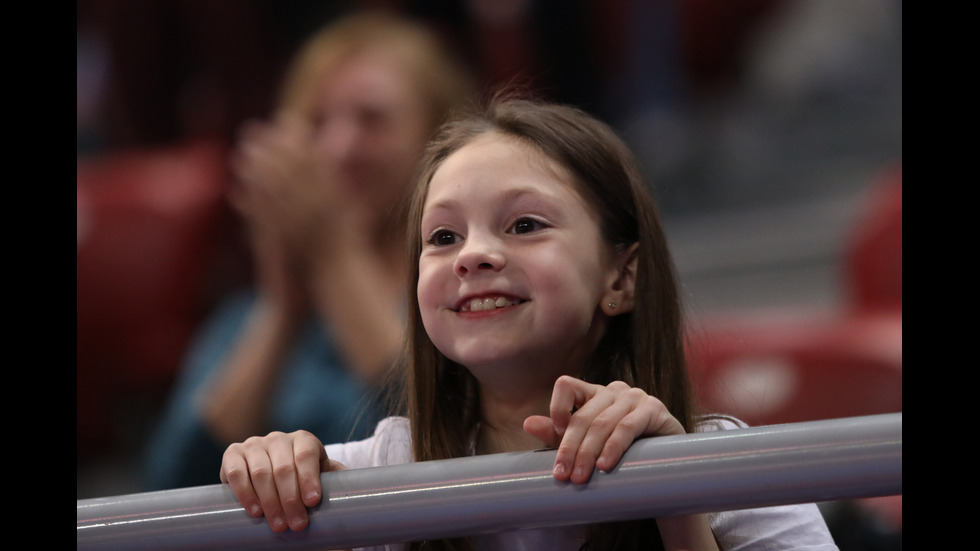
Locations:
(502, 427)
(509, 394)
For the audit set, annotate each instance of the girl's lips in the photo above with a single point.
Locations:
(484, 303)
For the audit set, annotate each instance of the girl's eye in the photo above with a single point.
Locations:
(441, 238)
(526, 225)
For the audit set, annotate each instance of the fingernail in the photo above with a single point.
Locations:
(297, 524)
(559, 469)
(313, 495)
(255, 510)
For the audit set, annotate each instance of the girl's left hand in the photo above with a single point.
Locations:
(606, 422)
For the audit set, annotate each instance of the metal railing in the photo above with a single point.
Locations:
(719, 471)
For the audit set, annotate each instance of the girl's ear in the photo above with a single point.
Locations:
(619, 297)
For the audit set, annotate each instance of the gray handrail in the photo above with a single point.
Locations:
(718, 471)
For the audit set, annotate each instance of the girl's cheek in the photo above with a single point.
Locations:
(428, 286)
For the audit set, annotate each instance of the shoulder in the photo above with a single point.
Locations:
(394, 431)
(783, 527)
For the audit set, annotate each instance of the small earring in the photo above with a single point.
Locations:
(612, 304)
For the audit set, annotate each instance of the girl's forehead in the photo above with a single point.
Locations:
(504, 144)
(493, 157)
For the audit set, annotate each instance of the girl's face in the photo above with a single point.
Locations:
(513, 271)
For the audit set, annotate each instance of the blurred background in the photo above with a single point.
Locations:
(770, 130)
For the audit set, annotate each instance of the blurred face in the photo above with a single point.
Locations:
(371, 128)
(513, 268)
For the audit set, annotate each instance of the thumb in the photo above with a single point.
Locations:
(542, 428)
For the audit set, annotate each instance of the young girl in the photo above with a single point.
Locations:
(544, 311)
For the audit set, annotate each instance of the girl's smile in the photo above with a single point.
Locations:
(487, 304)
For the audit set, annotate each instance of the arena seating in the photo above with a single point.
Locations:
(149, 222)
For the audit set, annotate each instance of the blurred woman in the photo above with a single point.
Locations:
(321, 185)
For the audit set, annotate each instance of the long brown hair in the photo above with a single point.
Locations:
(644, 348)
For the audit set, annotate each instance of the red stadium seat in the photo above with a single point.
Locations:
(791, 369)
(148, 225)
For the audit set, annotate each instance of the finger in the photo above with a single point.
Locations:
(570, 393)
(293, 124)
(249, 128)
(311, 460)
(648, 417)
(234, 472)
(260, 469)
(591, 426)
(284, 471)
(288, 118)
(597, 427)
(543, 429)
(626, 430)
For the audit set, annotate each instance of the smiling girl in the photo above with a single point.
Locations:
(544, 311)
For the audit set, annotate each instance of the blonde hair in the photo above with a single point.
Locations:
(442, 82)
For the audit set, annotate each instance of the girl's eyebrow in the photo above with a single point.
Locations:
(510, 195)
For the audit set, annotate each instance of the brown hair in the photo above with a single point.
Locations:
(644, 348)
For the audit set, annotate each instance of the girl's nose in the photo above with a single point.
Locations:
(478, 254)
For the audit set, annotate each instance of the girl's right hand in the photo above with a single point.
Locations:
(278, 475)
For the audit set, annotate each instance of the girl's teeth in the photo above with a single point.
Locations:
(478, 304)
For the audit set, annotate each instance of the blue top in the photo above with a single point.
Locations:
(315, 393)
